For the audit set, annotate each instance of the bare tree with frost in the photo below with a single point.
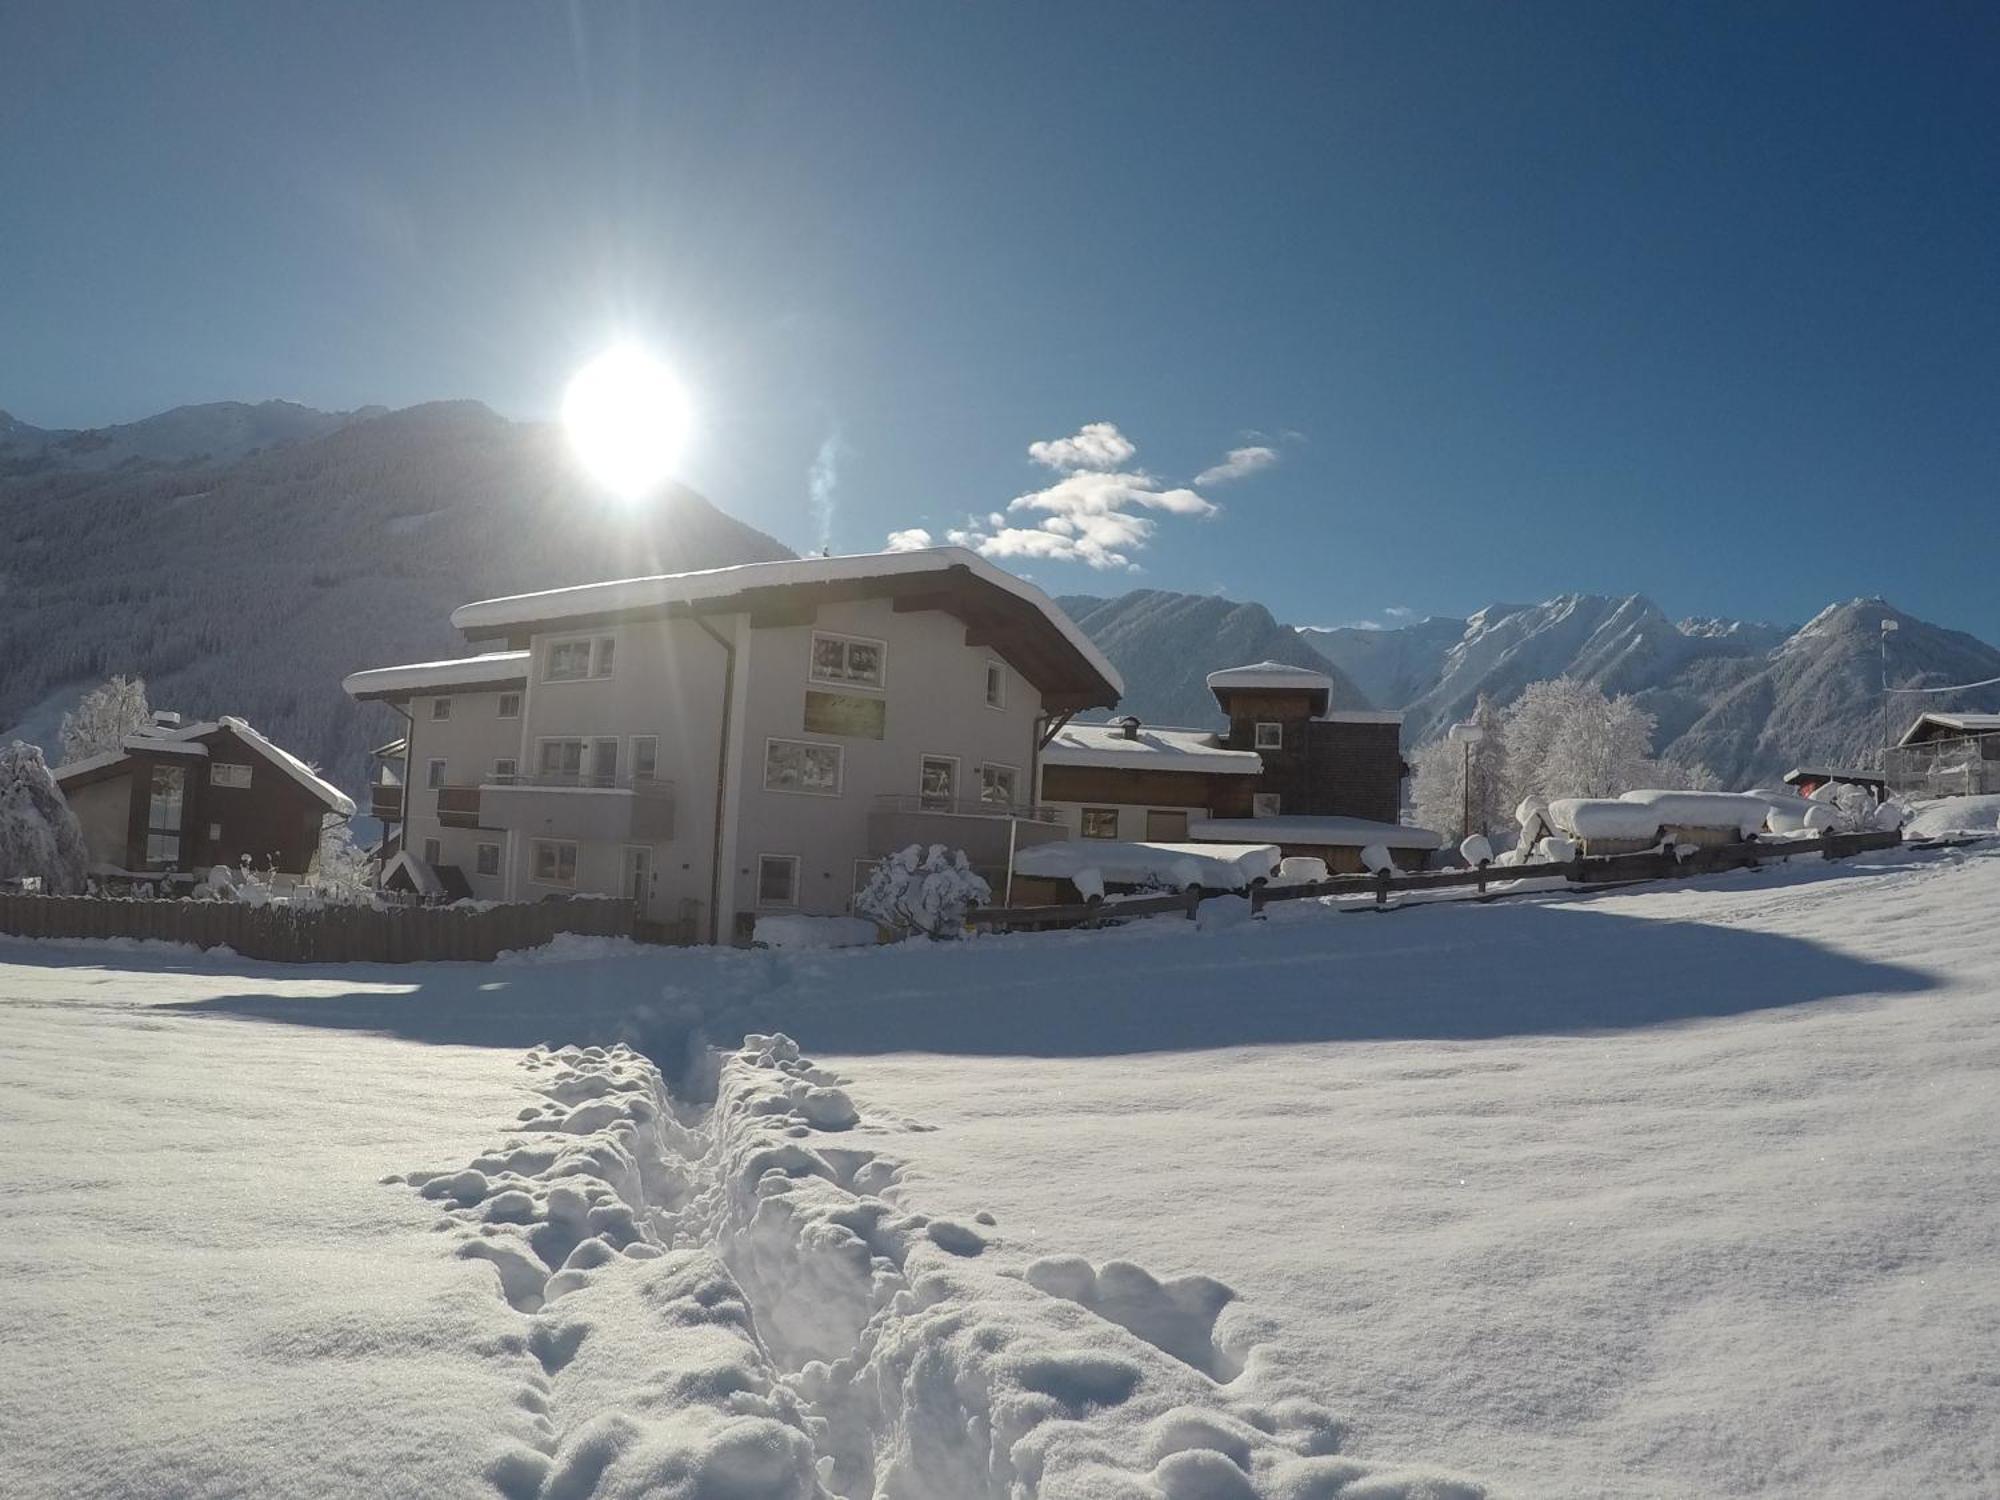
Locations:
(1444, 772)
(108, 712)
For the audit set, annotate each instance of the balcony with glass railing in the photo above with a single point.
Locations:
(579, 805)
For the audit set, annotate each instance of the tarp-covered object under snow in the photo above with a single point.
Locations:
(1091, 864)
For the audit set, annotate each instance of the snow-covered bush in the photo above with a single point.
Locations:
(39, 835)
(106, 714)
(918, 890)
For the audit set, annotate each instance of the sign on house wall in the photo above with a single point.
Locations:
(846, 713)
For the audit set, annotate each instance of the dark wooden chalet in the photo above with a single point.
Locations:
(175, 799)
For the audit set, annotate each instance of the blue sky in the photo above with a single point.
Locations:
(1699, 301)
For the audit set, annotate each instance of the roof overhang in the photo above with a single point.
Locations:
(493, 671)
(1002, 613)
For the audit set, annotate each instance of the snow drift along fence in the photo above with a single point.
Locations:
(1491, 881)
(323, 934)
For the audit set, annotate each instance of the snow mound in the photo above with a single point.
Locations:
(737, 1299)
(1214, 867)
(791, 930)
(1949, 815)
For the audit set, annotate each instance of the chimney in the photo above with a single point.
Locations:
(166, 718)
(1128, 726)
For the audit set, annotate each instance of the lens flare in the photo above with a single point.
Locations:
(628, 420)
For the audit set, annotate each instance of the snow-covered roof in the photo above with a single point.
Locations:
(716, 584)
(1962, 723)
(182, 741)
(1270, 674)
(490, 669)
(1093, 862)
(1362, 716)
(291, 765)
(423, 879)
(1314, 829)
(1153, 749)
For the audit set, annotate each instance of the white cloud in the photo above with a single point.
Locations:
(913, 540)
(1240, 462)
(1400, 612)
(1099, 445)
(1098, 513)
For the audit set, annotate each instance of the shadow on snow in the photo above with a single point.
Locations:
(1465, 972)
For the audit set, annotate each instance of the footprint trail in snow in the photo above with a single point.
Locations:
(735, 1301)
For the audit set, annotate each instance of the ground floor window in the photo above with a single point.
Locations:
(1264, 805)
(486, 860)
(1100, 822)
(555, 862)
(1168, 826)
(433, 853)
(778, 880)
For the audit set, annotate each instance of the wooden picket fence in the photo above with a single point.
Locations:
(1491, 881)
(319, 934)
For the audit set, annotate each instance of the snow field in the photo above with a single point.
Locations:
(735, 1299)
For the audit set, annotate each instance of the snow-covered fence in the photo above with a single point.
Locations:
(1489, 880)
(298, 933)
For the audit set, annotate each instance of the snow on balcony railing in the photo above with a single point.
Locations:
(965, 807)
(644, 786)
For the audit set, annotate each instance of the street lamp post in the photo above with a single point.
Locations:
(1466, 735)
(1889, 628)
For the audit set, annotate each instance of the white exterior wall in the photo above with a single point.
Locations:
(469, 742)
(666, 681)
(934, 687)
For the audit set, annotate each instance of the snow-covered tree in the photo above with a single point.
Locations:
(108, 713)
(39, 836)
(1565, 738)
(1443, 771)
(919, 890)
(342, 872)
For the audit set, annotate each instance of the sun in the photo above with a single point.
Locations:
(628, 420)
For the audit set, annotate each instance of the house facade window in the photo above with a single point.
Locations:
(645, 757)
(996, 685)
(1000, 785)
(937, 782)
(433, 853)
(1264, 804)
(222, 773)
(850, 660)
(1270, 736)
(434, 774)
(1100, 822)
(777, 880)
(561, 760)
(604, 762)
(506, 769)
(579, 659)
(510, 706)
(802, 766)
(486, 859)
(440, 708)
(554, 862)
(165, 802)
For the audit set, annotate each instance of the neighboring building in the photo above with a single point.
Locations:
(177, 799)
(745, 739)
(1287, 771)
(1945, 755)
